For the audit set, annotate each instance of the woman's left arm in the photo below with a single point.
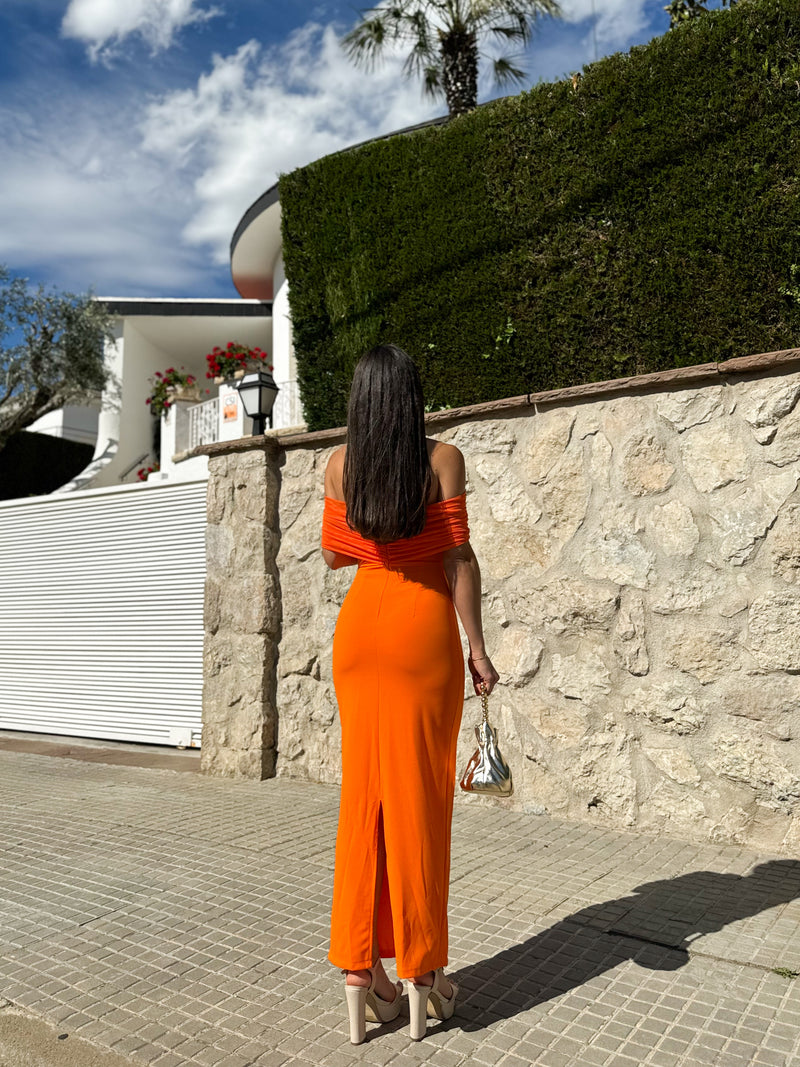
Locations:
(335, 560)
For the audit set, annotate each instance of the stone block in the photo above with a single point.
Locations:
(613, 550)
(714, 455)
(740, 520)
(671, 527)
(551, 434)
(690, 407)
(773, 634)
(765, 402)
(644, 465)
(219, 550)
(517, 655)
(783, 543)
(582, 675)
(480, 438)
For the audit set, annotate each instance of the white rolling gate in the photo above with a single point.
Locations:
(101, 613)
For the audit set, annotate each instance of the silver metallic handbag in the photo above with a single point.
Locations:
(487, 772)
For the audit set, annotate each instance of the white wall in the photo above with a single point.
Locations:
(282, 351)
(72, 422)
(108, 422)
(287, 408)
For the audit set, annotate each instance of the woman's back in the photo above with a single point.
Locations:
(447, 469)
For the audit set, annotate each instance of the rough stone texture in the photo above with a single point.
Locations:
(309, 737)
(641, 601)
(645, 467)
(242, 616)
(715, 454)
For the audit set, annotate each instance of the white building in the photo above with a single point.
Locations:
(154, 334)
(101, 581)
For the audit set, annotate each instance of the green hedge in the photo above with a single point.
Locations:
(647, 218)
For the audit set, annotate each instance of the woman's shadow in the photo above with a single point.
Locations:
(653, 927)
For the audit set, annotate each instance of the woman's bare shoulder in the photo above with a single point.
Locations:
(444, 455)
(333, 474)
(447, 462)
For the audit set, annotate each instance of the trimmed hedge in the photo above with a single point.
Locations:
(646, 218)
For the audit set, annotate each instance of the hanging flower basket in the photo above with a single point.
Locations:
(167, 387)
(234, 361)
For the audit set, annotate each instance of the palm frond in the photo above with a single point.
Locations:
(432, 81)
(433, 28)
(365, 41)
(396, 22)
(422, 55)
(505, 72)
(516, 16)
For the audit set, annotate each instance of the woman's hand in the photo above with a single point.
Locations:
(482, 670)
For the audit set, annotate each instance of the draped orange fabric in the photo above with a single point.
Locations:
(446, 526)
(398, 669)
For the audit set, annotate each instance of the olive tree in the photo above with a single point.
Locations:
(51, 351)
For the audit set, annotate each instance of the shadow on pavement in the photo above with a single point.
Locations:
(653, 927)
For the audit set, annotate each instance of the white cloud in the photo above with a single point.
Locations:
(258, 113)
(617, 23)
(83, 207)
(103, 24)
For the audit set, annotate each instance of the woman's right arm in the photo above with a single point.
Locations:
(464, 578)
(462, 571)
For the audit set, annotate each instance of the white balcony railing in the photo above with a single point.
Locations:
(203, 424)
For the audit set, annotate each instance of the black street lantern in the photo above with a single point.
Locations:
(258, 391)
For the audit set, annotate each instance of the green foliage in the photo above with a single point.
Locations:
(680, 10)
(792, 289)
(644, 219)
(51, 352)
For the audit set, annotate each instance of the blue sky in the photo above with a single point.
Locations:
(135, 133)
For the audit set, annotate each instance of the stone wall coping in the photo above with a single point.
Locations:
(761, 363)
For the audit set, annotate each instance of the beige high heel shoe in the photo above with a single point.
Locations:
(429, 1000)
(364, 1003)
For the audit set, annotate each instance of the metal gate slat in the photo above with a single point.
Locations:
(101, 612)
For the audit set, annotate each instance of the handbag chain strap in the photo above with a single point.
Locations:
(484, 702)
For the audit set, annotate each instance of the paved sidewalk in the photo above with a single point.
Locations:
(182, 920)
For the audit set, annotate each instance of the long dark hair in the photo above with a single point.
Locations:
(387, 473)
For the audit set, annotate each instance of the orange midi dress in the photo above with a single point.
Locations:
(398, 669)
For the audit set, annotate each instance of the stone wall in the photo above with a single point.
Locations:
(640, 547)
(242, 612)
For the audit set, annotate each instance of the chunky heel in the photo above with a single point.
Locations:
(425, 1000)
(357, 1010)
(439, 1005)
(418, 1009)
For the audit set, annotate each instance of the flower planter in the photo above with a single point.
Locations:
(190, 394)
(237, 374)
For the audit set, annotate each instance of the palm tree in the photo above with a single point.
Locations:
(444, 36)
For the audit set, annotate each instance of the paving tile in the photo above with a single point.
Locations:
(204, 946)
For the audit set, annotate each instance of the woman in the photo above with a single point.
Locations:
(395, 506)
